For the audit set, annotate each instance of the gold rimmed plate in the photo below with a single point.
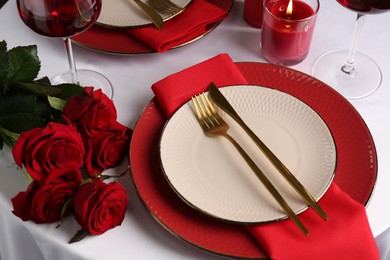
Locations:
(126, 13)
(212, 177)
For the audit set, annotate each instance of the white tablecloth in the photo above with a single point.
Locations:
(140, 237)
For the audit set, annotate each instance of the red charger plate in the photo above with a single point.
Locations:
(355, 174)
(118, 41)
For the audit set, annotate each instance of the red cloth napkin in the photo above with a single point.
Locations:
(197, 19)
(174, 90)
(345, 235)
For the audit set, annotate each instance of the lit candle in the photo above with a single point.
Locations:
(287, 31)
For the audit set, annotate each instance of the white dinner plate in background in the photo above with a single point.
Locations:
(126, 13)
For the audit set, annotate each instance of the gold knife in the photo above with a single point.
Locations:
(221, 101)
(151, 14)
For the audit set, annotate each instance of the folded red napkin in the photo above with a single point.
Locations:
(174, 90)
(345, 235)
(197, 19)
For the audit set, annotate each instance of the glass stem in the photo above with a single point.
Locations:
(348, 67)
(72, 64)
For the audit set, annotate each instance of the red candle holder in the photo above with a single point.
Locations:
(286, 35)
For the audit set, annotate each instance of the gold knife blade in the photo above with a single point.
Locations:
(221, 101)
(151, 14)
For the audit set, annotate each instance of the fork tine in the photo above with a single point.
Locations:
(165, 9)
(171, 6)
(204, 102)
(200, 112)
(213, 116)
(203, 113)
(210, 105)
(214, 112)
(194, 102)
(165, 6)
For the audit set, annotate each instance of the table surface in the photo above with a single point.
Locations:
(140, 236)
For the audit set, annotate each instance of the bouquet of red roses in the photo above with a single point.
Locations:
(64, 137)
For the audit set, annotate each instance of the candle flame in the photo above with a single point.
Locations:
(289, 7)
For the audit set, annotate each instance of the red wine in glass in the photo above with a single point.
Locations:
(65, 18)
(366, 6)
(60, 18)
(352, 73)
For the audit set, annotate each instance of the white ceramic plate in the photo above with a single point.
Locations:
(209, 174)
(126, 13)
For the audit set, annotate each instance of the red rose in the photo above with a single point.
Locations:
(42, 202)
(52, 150)
(93, 112)
(99, 207)
(106, 149)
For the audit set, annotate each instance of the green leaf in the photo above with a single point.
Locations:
(80, 235)
(7, 137)
(39, 89)
(64, 209)
(3, 63)
(27, 175)
(21, 111)
(68, 90)
(85, 181)
(57, 103)
(10, 135)
(24, 64)
(44, 81)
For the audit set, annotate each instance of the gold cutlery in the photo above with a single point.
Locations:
(165, 6)
(213, 125)
(151, 14)
(221, 101)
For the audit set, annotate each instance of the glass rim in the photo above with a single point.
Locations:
(292, 21)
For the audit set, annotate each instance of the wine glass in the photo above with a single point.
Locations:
(351, 73)
(65, 18)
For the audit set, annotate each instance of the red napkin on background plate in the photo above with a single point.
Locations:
(197, 19)
(345, 235)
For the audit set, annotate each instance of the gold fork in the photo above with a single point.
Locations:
(165, 6)
(213, 125)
